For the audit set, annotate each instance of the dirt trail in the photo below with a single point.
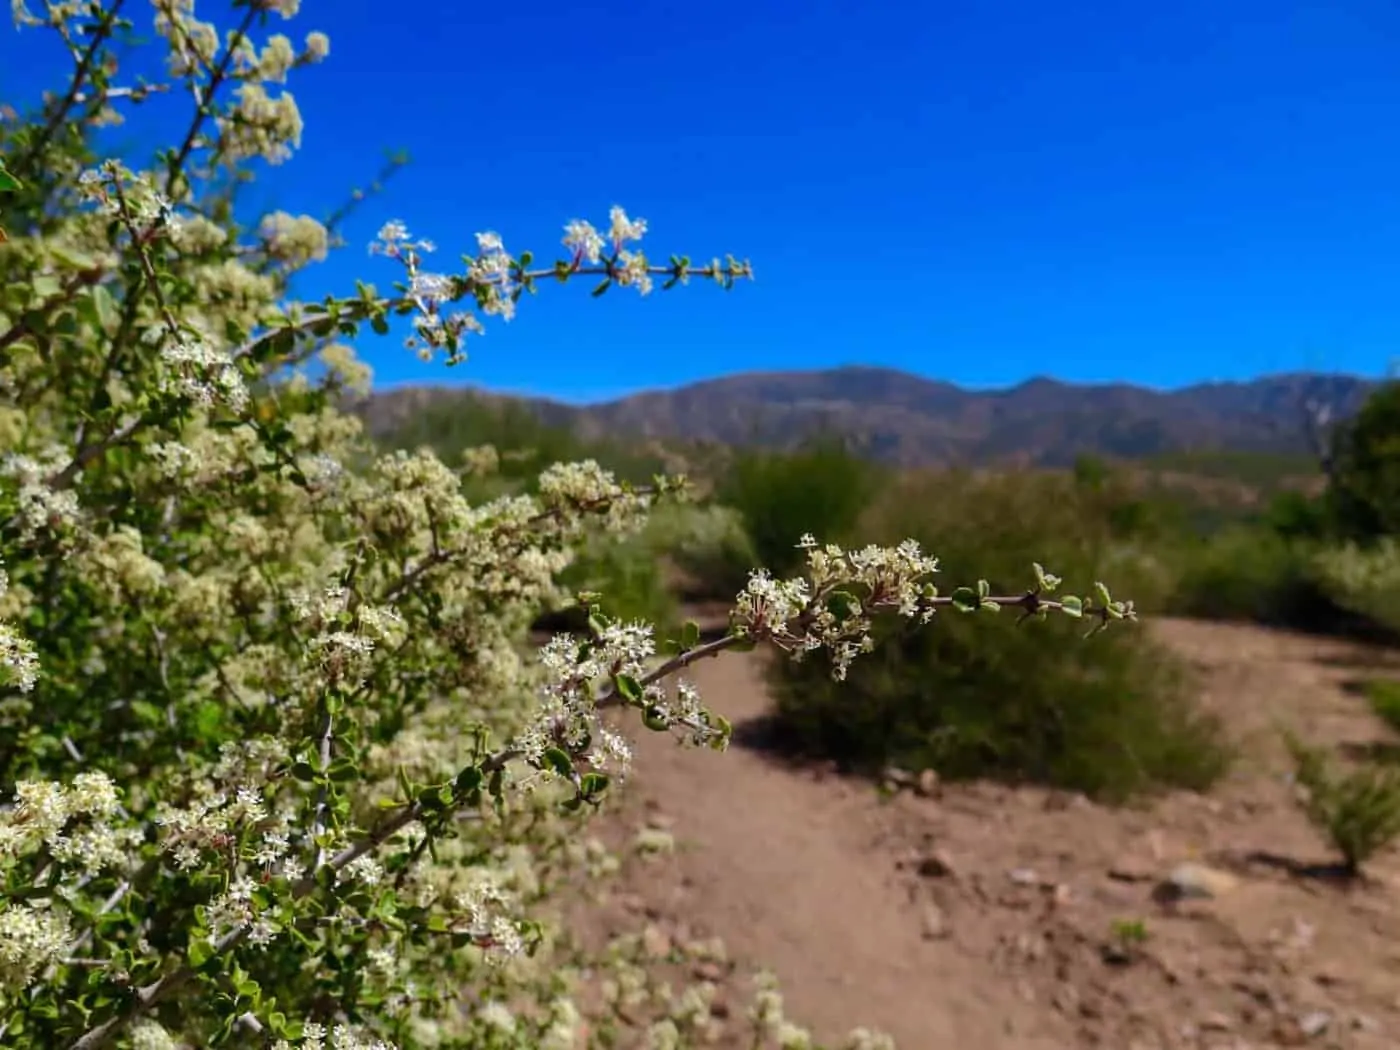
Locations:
(980, 919)
(799, 874)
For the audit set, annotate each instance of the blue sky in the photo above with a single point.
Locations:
(982, 193)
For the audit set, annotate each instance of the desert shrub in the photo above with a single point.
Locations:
(823, 488)
(1363, 580)
(1358, 810)
(1296, 515)
(1383, 694)
(1248, 573)
(628, 577)
(684, 551)
(1107, 716)
(1364, 489)
(276, 758)
(707, 544)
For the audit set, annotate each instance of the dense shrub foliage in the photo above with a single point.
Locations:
(279, 766)
(1365, 494)
(822, 489)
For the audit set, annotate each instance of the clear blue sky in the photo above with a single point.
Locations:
(1159, 193)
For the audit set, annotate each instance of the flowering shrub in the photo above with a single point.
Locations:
(278, 767)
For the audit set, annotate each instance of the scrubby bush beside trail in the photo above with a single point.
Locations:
(277, 763)
(1248, 573)
(1107, 716)
(822, 488)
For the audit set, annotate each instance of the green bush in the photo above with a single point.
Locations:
(1358, 811)
(683, 552)
(1365, 491)
(1364, 581)
(707, 545)
(822, 488)
(1107, 716)
(1296, 515)
(1249, 573)
(626, 572)
(1383, 694)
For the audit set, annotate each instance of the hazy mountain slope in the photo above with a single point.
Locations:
(911, 420)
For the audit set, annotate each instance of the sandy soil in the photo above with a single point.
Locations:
(981, 918)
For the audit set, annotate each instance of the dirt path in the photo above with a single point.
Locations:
(800, 874)
(980, 919)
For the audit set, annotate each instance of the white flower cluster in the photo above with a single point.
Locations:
(43, 812)
(31, 938)
(19, 663)
(34, 934)
(587, 246)
(198, 369)
(486, 912)
(344, 636)
(211, 823)
(41, 507)
(494, 277)
(798, 617)
(339, 1037)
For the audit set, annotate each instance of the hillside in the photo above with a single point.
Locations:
(913, 421)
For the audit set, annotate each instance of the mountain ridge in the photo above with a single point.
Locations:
(912, 420)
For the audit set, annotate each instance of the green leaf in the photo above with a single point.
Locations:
(1045, 581)
(725, 730)
(431, 799)
(8, 181)
(71, 259)
(593, 784)
(690, 635)
(199, 952)
(843, 605)
(603, 286)
(146, 711)
(1072, 605)
(628, 688)
(206, 721)
(964, 599)
(559, 761)
(469, 780)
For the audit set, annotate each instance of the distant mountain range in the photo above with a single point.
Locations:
(912, 421)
